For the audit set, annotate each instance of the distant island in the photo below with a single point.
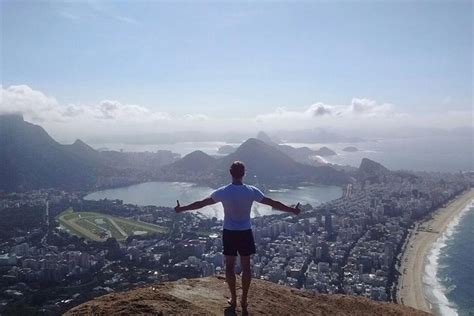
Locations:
(350, 149)
(226, 149)
(325, 151)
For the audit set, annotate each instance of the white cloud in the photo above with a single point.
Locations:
(324, 112)
(370, 107)
(39, 107)
(196, 117)
(107, 116)
(319, 109)
(31, 103)
(111, 117)
(360, 113)
(111, 109)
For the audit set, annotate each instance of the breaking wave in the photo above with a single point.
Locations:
(435, 289)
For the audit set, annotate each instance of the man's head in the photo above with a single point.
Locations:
(237, 170)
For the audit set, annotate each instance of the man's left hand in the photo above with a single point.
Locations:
(297, 210)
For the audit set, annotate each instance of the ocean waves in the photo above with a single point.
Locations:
(438, 286)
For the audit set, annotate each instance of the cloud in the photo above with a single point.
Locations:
(39, 107)
(196, 117)
(112, 117)
(72, 110)
(111, 109)
(107, 116)
(31, 103)
(370, 107)
(319, 109)
(360, 113)
(324, 112)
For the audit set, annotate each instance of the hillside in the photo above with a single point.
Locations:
(304, 155)
(207, 296)
(197, 160)
(32, 159)
(273, 167)
(265, 164)
(85, 152)
(371, 170)
(196, 166)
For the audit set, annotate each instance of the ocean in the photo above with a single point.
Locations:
(445, 154)
(449, 270)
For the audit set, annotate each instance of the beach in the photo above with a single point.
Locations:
(410, 290)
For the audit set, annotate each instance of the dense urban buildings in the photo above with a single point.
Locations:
(350, 245)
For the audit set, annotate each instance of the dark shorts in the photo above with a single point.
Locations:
(238, 241)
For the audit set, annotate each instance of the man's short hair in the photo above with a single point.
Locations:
(237, 169)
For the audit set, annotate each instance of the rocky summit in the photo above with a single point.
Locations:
(208, 296)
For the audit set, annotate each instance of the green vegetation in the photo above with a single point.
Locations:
(99, 227)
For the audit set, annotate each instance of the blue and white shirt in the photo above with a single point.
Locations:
(237, 200)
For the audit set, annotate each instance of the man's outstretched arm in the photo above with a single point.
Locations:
(280, 206)
(194, 206)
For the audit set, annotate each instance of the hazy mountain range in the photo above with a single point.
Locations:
(32, 159)
(266, 165)
(317, 135)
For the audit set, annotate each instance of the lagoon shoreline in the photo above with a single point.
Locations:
(410, 288)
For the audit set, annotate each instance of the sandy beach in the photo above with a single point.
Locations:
(410, 285)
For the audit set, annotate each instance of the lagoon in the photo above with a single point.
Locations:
(166, 194)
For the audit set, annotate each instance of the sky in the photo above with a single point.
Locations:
(139, 66)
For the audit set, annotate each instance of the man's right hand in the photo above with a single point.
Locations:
(177, 208)
(296, 209)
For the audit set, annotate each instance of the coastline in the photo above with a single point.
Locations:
(410, 289)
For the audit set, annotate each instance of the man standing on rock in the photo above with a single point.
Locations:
(237, 236)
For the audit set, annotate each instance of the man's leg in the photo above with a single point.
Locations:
(230, 277)
(246, 278)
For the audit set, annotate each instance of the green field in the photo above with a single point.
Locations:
(99, 227)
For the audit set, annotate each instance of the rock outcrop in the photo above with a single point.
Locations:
(207, 296)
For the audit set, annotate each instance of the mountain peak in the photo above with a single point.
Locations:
(11, 119)
(252, 142)
(265, 138)
(367, 165)
(80, 144)
(197, 153)
(372, 170)
(198, 157)
(32, 159)
(194, 161)
(207, 296)
(254, 149)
